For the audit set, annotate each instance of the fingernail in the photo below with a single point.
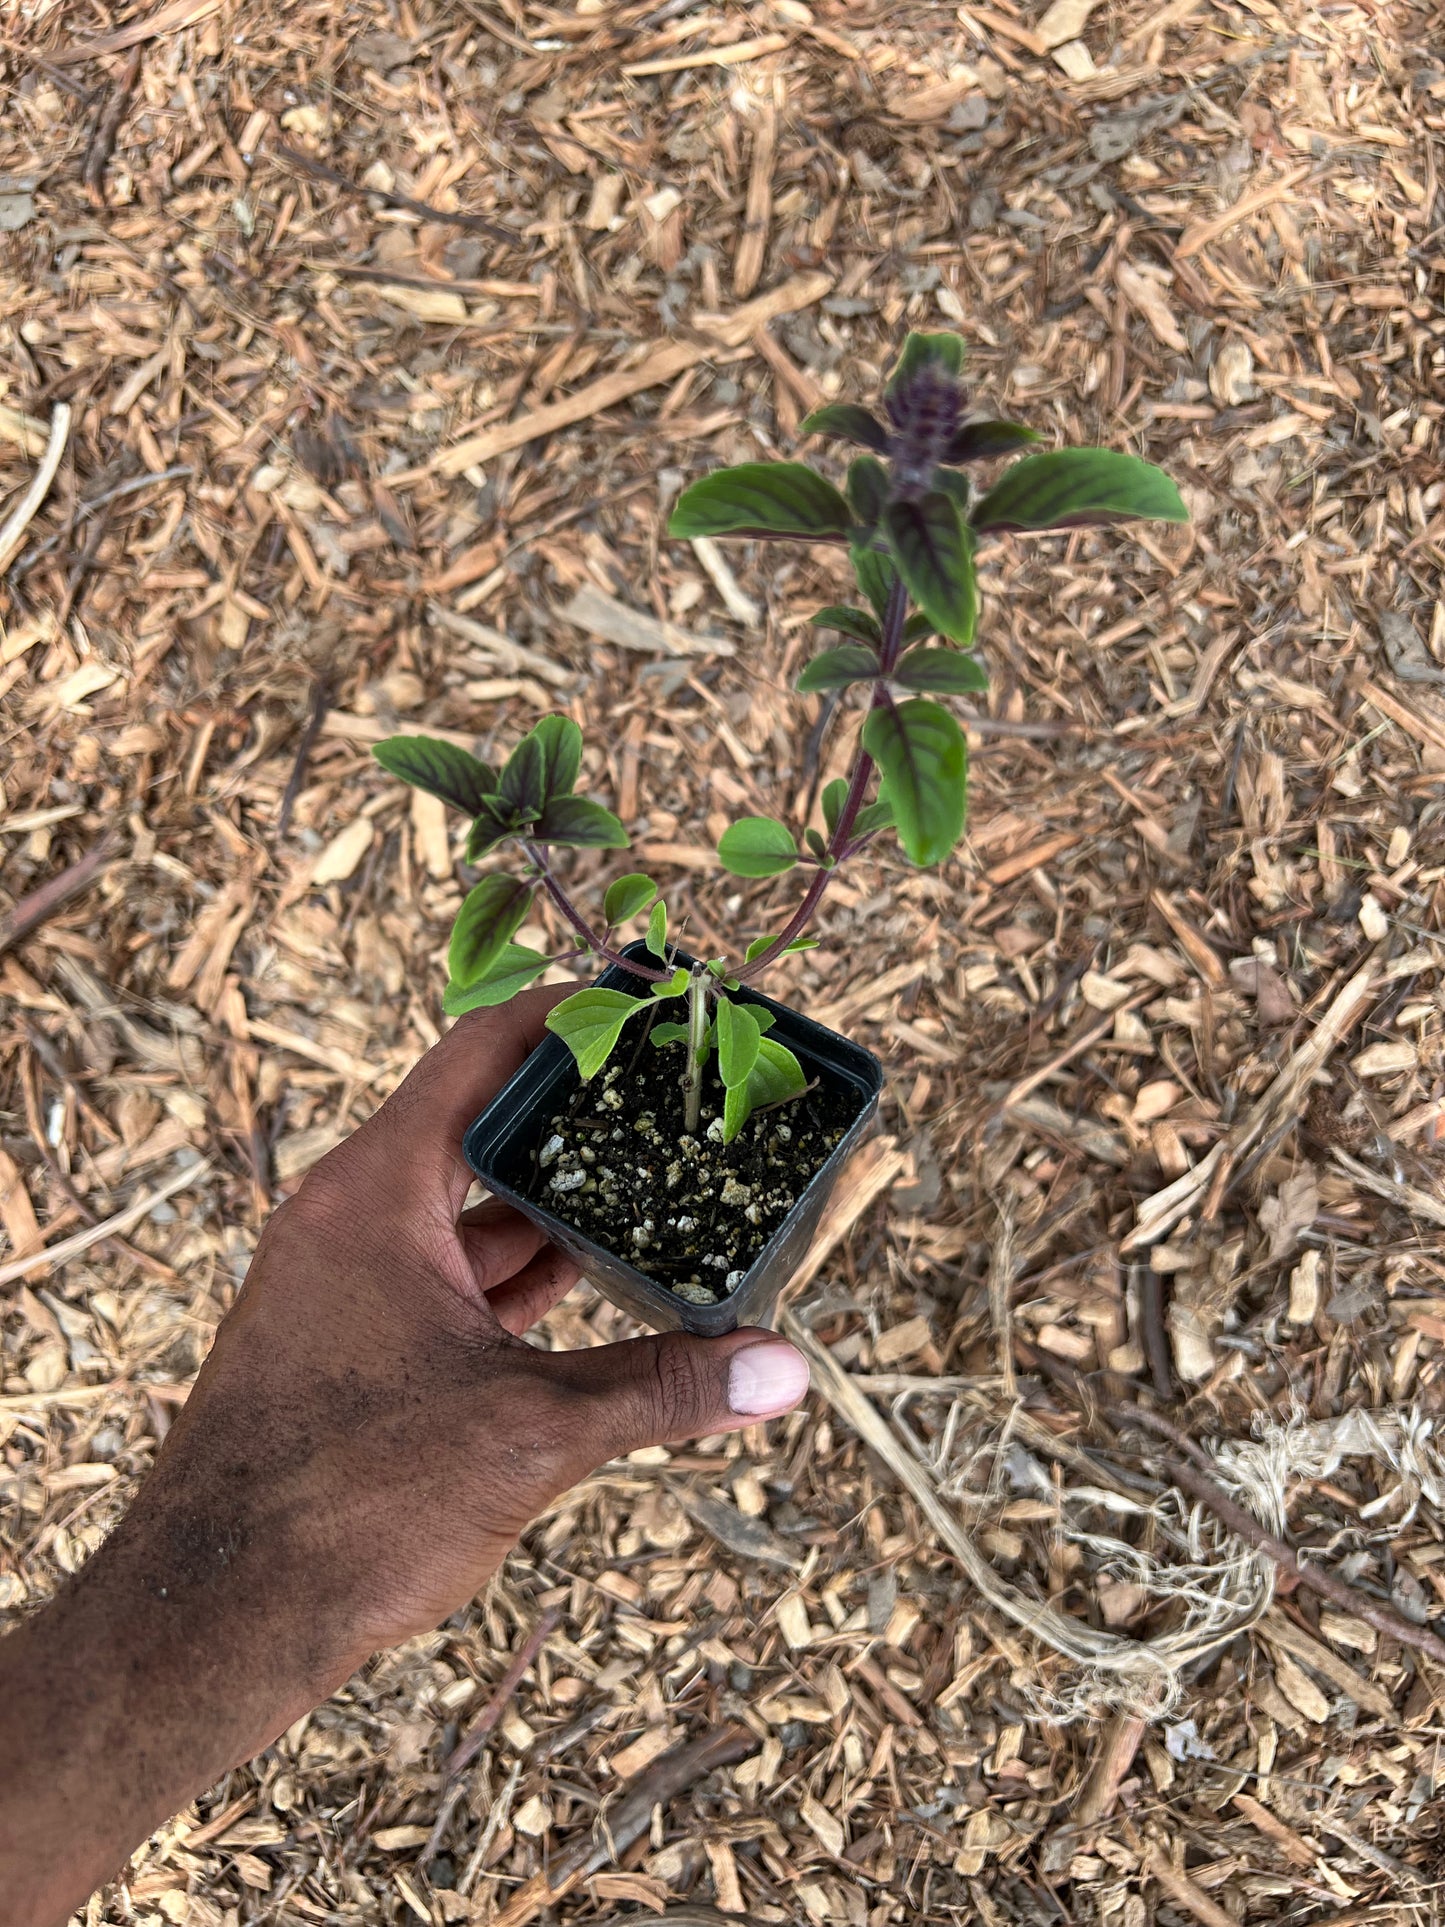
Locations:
(765, 1379)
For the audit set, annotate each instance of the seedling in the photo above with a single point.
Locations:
(909, 516)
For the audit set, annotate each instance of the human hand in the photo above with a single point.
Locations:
(366, 1440)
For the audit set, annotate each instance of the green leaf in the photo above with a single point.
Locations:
(628, 897)
(943, 349)
(814, 840)
(657, 930)
(836, 668)
(584, 825)
(845, 418)
(1077, 488)
(511, 972)
(560, 741)
(775, 1076)
(981, 441)
(492, 826)
(874, 816)
(738, 1038)
(876, 575)
(760, 944)
(675, 986)
(924, 758)
(835, 794)
(544, 765)
(669, 1034)
(756, 846)
(868, 488)
(954, 483)
(590, 1024)
(935, 558)
(441, 769)
(762, 499)
(943, 672)
(916, 628)
(850, 622)
(491, 913)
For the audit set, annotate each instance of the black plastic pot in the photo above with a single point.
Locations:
(500, 1143)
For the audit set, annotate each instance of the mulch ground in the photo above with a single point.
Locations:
(368, 345)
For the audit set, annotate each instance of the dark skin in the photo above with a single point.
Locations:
(365, 1443)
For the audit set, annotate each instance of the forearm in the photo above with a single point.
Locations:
(150, 1675)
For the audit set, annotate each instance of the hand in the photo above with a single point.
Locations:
(365, 1442)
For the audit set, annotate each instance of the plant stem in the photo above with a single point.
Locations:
(697, 1015)
(839, 847)
(580, 924)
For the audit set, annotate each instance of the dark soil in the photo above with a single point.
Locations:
(691, 1212)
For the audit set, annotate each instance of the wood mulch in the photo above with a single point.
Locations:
(367, 346)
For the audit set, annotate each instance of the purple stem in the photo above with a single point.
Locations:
(580, 924)
(839, 848)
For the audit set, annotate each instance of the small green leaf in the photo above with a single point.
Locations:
(924, 758)
(760, 944)
(943, 672)
(845, 418)
(522, 797)
(657, 930)
(761, 499)
(981, 441)
(590, 1024)
(942, 349)
(836, 668)
(669, 1034)
(934, 550)
(835, 794)
(675, 986)
(738, 1038)
(777, 1075)
(876, 576)
(874, 816)
(868, 488)
(628, 897)
(491, 913)
(954, 483)
(1078, 488)
(916, 628)
(756, 846)
(736, 1111)
(580, 823)
(560, 742)
(814, 840)
(441, 769)
(850, 622)
(492, 826)
(544, 765)
(511, 972)
(774, 1078)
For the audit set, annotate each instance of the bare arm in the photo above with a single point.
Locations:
(365, 1442)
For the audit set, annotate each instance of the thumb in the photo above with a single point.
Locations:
(664, 1389)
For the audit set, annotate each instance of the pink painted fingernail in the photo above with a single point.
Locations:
(766, 1379)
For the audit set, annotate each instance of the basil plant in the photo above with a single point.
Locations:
(909, 514)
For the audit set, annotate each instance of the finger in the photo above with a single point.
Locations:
(415, 1139)
(664, 1389)
(497, 1241)
(518, 1302)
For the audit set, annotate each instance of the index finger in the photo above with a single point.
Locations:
(418, 1130)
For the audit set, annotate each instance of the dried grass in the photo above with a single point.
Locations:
(334, 464)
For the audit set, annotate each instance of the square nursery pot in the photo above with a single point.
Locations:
(499, 1146)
